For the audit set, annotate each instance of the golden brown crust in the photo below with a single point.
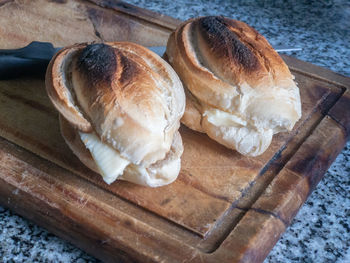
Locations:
(239, 52)
(56, 88)
(230, 69)
(127, 94)
(220, 54)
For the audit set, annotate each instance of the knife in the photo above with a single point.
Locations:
(34, 59)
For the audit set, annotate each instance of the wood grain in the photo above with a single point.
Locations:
(341, 114)
(223, 208)
(67, 22)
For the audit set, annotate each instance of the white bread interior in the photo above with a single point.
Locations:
(161, 173)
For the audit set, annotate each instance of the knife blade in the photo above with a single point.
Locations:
(34, 58)
(160, 50)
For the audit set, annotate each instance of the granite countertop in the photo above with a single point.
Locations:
(321, 230)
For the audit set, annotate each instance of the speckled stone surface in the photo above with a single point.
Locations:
(321, 230)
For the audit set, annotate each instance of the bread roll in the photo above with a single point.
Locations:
(238, 89)
(120, 107)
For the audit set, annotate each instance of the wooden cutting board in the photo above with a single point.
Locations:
(223, 207)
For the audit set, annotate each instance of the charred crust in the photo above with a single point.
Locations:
(98, 62)
(225, 42)
(129, 70)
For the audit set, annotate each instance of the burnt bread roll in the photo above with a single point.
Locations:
(238, 89)
(120, 107)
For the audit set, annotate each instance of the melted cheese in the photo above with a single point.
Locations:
(109, 162)
(221, 118)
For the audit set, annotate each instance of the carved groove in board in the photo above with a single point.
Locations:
(261, 211)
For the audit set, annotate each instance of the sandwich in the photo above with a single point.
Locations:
(238, 89)
(120, 107)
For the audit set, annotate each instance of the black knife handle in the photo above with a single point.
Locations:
(27, 61)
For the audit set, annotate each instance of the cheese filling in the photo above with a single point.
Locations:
(234, 132)
(221, 118)
(109, 162)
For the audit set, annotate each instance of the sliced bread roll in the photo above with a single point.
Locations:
(239, 90)
(120, 107)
